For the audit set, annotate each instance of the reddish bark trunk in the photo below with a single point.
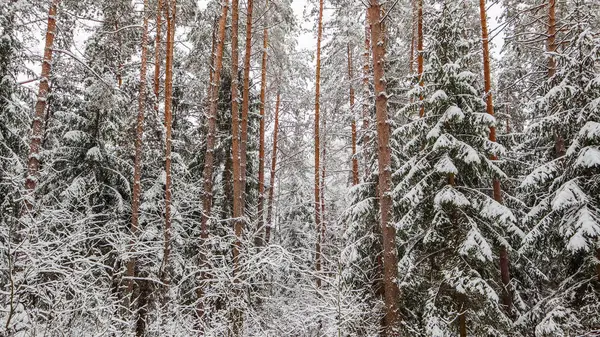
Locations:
(390, 260)
(235, 136)
(504, 262)
(318, 147)
(157, 57)
(366, 112)
(246, 99)
(37, 128)
(273, 168)
(137, 165)
(261, 144)
(212, 125)
(171, 14)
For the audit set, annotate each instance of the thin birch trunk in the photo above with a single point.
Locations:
(273, 168)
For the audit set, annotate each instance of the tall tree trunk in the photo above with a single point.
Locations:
(171, 14)
(261, 142)
(273, 168)
(354, 155)
(317, 146)
(212, 125)
(235, 136)
(137, 165)
(33, 161)
(420, 54)
(366, 110)
(213, 92)
(559, 145)
(412, 39)
(246, 100)
(390, 260)
(157, 57)
(504, 271)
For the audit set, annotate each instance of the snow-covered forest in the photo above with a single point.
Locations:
(426, 168)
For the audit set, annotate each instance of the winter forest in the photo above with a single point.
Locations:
(426, 168)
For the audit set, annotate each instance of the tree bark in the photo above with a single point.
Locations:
(212, 125)
(171, 14)
(354, 155)
(390, 260)
(420, 54)
(37, 128)
(318, 147)
(366, 111)
(235, 136)
(504, 261)
(137, 165)
(261, 144)
(157, 57)
(246, 100)
(273, 168)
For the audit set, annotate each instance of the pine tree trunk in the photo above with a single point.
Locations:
(318, 146)
(366, 111)
(273, 168)
(35, 145)
(504, 263)
(212, 125)
(171, 14)
(137, 165)
(157, 57)
(235, 136)
(420, 54)
(390, 260)
(246, 100)
(354, 155)
(261, 144)
(412, 39)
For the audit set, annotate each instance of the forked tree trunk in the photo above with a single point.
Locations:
(212, 125)
(37, 128)
(261, 142)
(246, 100)
(318, 147)
(171, 14)
(137, 164)
(504, 271)
(273, 168)
(420, 54)
(390, 260)
(354, 155)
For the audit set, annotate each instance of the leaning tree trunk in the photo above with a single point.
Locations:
(318, 147)
(390, 260)
(504, 271)
(35, 145)
(354, 155)
(261, 142)
(273, 168)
